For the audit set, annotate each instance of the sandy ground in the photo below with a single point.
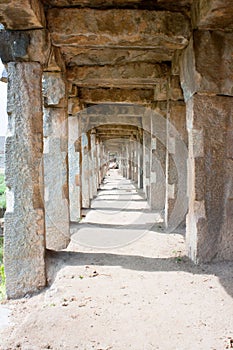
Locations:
(142, 296)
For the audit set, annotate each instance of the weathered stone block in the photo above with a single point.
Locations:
(206, 64)
(54, 90)
(55, 178)
(110, 56)
(114, 27)
(24, 46)
(24, 220)
(74, 105)
(55, 62)
(22, 14)
(208, 182)
(137, 75)
(212, 14)
(140, 96)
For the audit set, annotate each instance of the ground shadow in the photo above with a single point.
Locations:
(58, 260)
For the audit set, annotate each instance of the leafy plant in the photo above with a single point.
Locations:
(178, 256)
(2, 272)
(2, 184)
(2, 192)
(1, 250)
(2, 283)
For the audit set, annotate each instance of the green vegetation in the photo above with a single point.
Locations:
(2, 274)
(1, 250)
(2, 192)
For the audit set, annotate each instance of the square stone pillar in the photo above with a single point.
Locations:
(56, 161)
(146, 163)
(24, 241)
(94, 163)
(177, 139)
(140, 163)
(86, 195)
(74, 149)
(157, 170)
(206, 79)
(209, 178)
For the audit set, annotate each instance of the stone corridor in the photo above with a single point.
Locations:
(119, 215)
(148, 83)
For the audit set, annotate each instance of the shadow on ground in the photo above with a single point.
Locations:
(59, 260)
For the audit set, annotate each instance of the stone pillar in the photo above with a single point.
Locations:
(24, 241)
(93, 163)
(140, 163)
(74, 148)
(129, 155)
(135, 161)
(98, 157)
(176, 134)
(56, 161)
(157, 169)
(85, 171)
(208, 230)
(209, 124)
(146, 163)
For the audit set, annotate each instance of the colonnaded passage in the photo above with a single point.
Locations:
(148, 83)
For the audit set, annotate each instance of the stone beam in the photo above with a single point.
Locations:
(118, 28)
(158, 4)
(111, 56)
(212, 14)
(24, 46)
(114, 109)
(106, 128)
(94, 121)
(22, 14)
(138, 75)
(101, 95)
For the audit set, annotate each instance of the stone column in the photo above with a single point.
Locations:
(146, 163)
(98, 157)
(56, 161)
(93, 163)
(24, 241)
(74, 148)
(176, 136)
(135, 161)
(209, 124)
(157, 168)
(140, 163)
(85, 171)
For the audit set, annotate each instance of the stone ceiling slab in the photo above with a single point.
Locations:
(118, 28)
(134, 74)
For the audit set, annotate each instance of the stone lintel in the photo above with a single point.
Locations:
(104, 95)
(112, 56)
(138, 75)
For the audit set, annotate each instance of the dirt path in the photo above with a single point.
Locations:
(142, 296)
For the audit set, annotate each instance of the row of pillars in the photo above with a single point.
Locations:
(46, 163)
(52, 173)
